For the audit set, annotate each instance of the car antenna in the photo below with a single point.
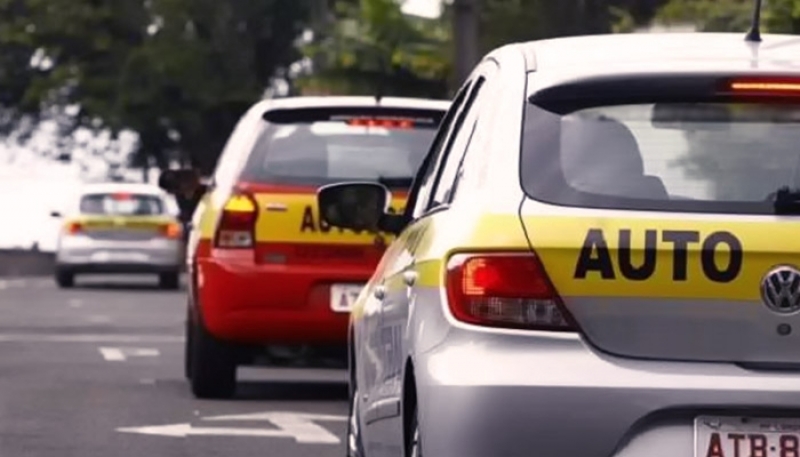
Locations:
(754, 34)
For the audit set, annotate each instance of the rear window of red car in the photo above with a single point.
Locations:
(324, 146)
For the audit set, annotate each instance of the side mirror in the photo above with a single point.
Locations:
(55, 214)
(357, 206)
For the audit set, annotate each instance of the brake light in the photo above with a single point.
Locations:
(122, 196)
(73, 228)
(237, 223)
(171, 230)
(385, 123)
(766, 86)
(508, 290)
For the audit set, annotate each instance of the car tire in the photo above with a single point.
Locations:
(171, 280)
(414, 442)
(65, 280)
(355, 446)
(213, 365)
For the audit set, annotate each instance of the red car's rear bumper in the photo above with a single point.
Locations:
(244, 302)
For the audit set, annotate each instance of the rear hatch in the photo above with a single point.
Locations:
(123, 217)
(299, 150)
(668, 222)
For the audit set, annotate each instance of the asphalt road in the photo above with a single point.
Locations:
(98, 371)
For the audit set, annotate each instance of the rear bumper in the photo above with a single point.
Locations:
(116, 268)
(242, 302)
(504, 395)
(150, 256)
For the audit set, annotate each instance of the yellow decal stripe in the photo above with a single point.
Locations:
(636, 258)
(294, 218)
(654, 258)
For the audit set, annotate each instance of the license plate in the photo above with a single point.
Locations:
(746, 437)
(343, 296)
(118, 257)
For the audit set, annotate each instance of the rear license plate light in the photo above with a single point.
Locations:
(716, 436)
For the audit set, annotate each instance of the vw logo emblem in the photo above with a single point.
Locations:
(780, 289)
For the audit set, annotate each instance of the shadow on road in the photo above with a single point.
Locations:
(104, 286)
(291, 391)
(249, 390)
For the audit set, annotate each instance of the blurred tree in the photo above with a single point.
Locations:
(370, 48)
(178, 72)
(508, 21)
(779, 16)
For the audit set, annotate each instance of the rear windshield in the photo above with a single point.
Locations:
(694, 157)
(121, 204)
(341, 148)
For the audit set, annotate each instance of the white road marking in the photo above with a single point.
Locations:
(9, 283)
(122, 354)
(299, 426)
(86, 338)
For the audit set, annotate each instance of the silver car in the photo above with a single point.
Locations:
(599, 257)
(120, 228)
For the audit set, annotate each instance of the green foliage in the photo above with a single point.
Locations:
(778, 16)
(178, 72)
(371, 47)
(709, 15)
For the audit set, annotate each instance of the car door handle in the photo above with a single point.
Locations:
(410, 278)
(379, 292)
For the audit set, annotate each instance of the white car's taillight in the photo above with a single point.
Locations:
(508, 290)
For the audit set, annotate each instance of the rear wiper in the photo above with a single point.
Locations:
(396, 182)
(787, 201)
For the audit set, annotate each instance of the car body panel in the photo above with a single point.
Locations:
(652, 354)
(667, 301)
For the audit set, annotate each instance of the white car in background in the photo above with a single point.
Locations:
(120, 228)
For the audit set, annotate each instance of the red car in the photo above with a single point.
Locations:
(266, 275)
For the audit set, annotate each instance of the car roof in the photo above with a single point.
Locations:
(663, 52)
(333, 101)
(111, 187)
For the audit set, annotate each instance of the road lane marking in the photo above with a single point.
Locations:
(9, 283)
(122, 354)
(299, 426)
(87, 338)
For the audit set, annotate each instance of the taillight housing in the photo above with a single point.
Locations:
(73, 228)
(236, 229)
(171, 230)
(508, 290)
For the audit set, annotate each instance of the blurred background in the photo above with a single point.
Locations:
(95, 90)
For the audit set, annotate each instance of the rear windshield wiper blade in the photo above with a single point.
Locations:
(396, 182)
(787, 201)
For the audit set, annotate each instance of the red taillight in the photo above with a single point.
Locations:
(389, 123)
(171, 230)
(73, 228)
(236, 228)
(508, 290)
